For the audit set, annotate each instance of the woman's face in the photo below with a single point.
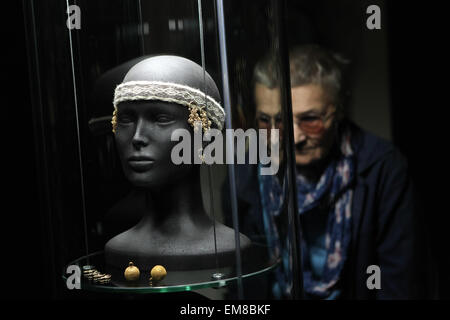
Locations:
(143, 133)
(314, 119)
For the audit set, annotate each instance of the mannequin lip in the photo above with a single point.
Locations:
(140, 158)
(140, 163)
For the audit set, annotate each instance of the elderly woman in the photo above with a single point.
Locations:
(355, 197)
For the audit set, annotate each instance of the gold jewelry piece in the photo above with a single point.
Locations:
(103, 278)
(94, 275)
(158, 273)
(114, 120)
(90, 274)
(198, 116)
(132, 272)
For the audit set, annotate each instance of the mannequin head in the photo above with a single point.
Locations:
(158, 96)
(144, 127)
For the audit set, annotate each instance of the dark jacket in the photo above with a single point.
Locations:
(385, 223)
(385, 231)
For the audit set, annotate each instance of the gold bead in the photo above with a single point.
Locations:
(114, 121)
(132, 273)
(158, 273)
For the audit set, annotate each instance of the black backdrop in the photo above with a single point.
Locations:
(419, 120)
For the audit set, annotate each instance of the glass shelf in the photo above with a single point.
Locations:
(175, 281)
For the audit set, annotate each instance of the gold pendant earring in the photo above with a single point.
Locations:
(132, 272)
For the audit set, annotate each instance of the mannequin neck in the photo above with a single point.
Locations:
(175, 207)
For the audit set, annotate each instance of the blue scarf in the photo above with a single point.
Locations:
(273, 198)
(334, 183)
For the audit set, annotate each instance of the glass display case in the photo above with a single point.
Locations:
(225, 221)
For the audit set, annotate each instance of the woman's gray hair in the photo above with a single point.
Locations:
(309, 64)
(266, 72)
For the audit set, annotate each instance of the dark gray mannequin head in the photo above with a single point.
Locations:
(175, 230)
(144, 128)
(174, 69)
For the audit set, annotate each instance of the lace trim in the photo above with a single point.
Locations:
(170, 92)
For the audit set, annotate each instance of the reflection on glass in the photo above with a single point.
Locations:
(257, 104)
(273, 188)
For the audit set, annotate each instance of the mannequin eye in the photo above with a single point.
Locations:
(125, 118)
(164, 118)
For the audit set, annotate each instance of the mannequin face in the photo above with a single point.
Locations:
(143, 141)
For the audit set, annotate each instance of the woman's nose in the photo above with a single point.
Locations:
(299, 136)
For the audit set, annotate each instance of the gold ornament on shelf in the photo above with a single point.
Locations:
(158, 273)
(104, 279)
(132, 272)
(94, 275)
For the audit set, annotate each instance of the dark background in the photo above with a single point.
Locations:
(417, 124)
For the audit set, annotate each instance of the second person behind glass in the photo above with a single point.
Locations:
(354, 193)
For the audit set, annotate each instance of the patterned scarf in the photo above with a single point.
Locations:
(335, 183)
(279, 245)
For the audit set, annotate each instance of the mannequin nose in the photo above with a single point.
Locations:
(139, 138)
(139, 142)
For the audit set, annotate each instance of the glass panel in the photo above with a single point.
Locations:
(109, 203)
(260, 108)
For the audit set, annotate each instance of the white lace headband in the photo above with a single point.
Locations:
(202, 107)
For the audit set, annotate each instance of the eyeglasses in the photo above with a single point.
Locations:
(312, 124)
